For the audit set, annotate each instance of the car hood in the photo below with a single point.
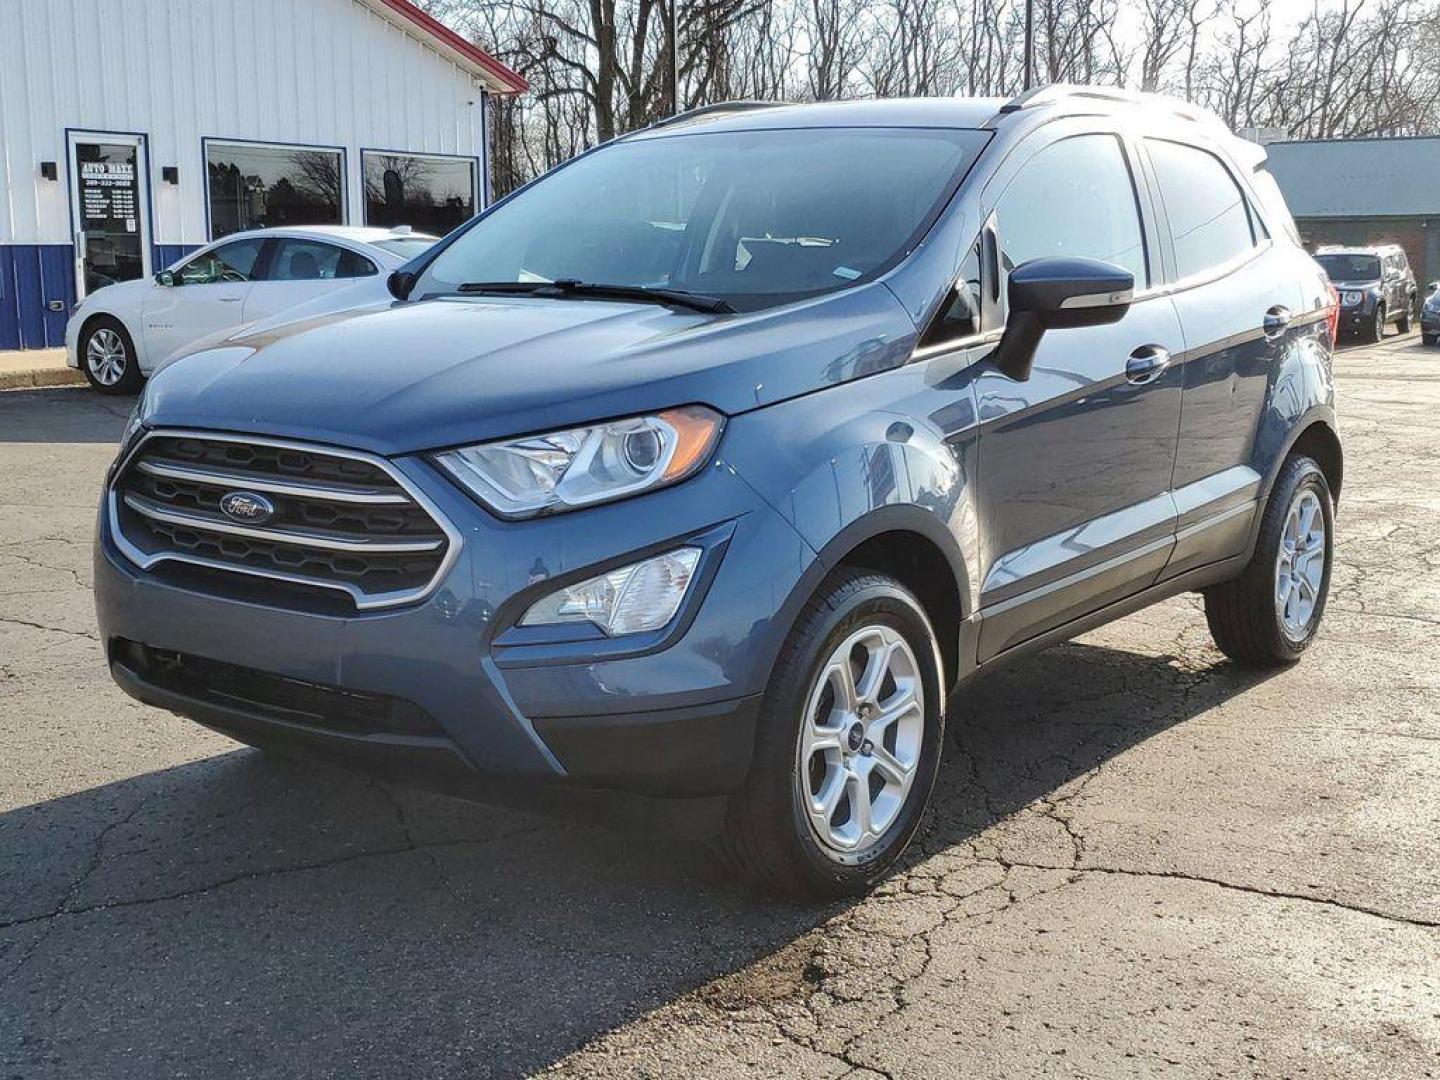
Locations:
(397, 378)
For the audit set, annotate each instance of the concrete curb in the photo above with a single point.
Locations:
(32, 378)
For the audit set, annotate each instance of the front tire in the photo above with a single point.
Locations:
(848, 744)
(1377, 325)
(1268, 615)
(107, 357)
(1403, 324)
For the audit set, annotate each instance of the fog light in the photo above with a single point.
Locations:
(628, 600)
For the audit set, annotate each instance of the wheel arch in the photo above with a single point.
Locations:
(910, 544)
(1319, 441)
(98, 316)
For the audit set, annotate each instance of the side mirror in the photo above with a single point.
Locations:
(166, 278)
(400, 283)
(1432, 287)
(1058, 293)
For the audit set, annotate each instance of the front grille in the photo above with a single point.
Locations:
(341, 522)
(294, 701)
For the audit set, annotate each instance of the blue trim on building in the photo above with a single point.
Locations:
(165, 254)
(32, 276)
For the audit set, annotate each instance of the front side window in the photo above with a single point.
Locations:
(1209, 219)
(756, 218)
(1076, 198)
(230, 262)
(253, 186)
(430, 194)
(311, 260)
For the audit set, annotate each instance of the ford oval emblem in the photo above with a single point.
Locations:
(247, 507)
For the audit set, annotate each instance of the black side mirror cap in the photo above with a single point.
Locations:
(400, 283)
(1058, 293)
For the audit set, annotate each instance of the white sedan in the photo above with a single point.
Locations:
(119, 334)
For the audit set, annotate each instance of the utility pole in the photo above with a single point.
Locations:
(1029, 44)
(674, 57)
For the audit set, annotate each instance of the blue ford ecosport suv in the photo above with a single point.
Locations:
(705, 467)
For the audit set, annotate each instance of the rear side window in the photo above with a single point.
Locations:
(1075, 197)
(311, 260)
(1209, 220)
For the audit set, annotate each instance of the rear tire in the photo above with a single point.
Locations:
(1255, 619)
(794, 828)
(107, 357)
(1428, 339)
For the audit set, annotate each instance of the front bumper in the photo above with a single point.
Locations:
(671, 713)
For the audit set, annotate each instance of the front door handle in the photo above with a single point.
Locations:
(1146, 364)
(1277, 321)
(231, 299)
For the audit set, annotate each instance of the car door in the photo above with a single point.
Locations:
(1239, 303)
(204, 296)
(302, 270)
(1076, 461)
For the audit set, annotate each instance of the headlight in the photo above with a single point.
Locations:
(562, 470)
(1350, 299)
(634, 598)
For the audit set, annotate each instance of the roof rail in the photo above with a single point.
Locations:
(1057, 92)
(717, 107)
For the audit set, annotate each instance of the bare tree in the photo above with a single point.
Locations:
(599, 68)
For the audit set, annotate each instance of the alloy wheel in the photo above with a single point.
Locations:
(1300, 565)
(860, 744)
(105, 356)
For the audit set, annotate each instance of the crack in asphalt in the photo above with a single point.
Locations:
(271, 872)
(1253, 890)
(53, 629)
(30, 560)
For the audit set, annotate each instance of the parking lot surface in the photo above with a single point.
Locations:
(1141, 860)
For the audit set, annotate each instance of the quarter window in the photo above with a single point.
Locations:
(1209, 218)
(253, 186)
(430, 194)
(234, 261)
(1075, 197)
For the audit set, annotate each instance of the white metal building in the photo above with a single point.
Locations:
(133, 131)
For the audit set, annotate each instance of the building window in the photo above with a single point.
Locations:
(255, 186)
(430, 194)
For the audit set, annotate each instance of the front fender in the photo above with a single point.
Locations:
(894, 452)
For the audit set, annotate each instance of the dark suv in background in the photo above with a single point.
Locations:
(1376, 287)
(703, 471)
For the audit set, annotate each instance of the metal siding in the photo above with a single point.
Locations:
(1358, 177)
(310, 72)
(323, 72)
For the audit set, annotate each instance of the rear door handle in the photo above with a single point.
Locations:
(1277, 321)
(1146, 364)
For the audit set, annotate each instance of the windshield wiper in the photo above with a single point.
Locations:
(564, 288)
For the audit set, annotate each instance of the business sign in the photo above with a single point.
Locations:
(109, 196)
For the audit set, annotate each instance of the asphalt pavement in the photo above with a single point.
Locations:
(1141, 860)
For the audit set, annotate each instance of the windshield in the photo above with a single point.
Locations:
(755, 218)
(407, 249)
(1350, 267)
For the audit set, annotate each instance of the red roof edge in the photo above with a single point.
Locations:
(514, 82)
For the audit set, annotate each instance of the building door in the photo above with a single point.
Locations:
(110, 209)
